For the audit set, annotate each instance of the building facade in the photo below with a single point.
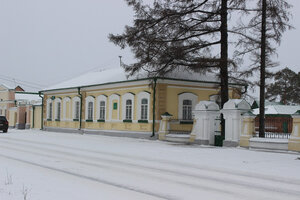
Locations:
(114, 104)
(16, 105)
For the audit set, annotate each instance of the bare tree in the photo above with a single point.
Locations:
(259, 38)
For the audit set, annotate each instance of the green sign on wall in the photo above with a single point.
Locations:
(115, 106)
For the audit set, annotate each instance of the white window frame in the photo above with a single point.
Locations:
(87, 101)
(186, 96)
(140, 96)
(65, 100)
(49, 115)
(111, 99)
(188, 109)
(58, 101)
(99, 99)
(125, 97)
(142, 105)
(74, 100)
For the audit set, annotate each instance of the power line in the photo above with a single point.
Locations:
(22, 81)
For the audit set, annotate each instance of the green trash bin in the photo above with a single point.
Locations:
(219, 140)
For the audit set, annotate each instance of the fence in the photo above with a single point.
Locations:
(276, 126)
(180, 126)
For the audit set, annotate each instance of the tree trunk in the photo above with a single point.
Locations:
(224, 61)
(262, 71)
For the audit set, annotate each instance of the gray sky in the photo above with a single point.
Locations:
(48, 41)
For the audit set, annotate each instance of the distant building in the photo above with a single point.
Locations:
(255, 103)
(278, 117)
(16, 105)
(108, 102)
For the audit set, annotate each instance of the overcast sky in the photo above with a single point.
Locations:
(48, 41)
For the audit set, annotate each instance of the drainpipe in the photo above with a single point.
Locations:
(42, 120)
(33, 107)
(153, 120)
(80, 109)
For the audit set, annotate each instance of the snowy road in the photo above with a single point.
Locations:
(124, 168)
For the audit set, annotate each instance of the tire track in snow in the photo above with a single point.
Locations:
(92, 178)
(132, 171)
(226, 181)
(167, 162)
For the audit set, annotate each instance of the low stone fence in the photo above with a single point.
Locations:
(239, 127)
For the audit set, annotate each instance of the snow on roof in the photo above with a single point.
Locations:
(237, 104)
(92, 78)
(4, 85)
(207, 105)
(278, 110)
(28, 98)
(118, 74)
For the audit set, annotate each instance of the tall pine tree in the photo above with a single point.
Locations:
(180, 33)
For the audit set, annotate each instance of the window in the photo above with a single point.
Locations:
(102, 110)
(143, 100)
(58, 108)
(89, 108)
(127, 107)
(144, 109)
(187, 109)
(128, 110)
(90, 111)
(77, 108)
(50, 111)
(186, 104)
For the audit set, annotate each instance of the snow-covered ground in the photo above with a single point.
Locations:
(38, 165)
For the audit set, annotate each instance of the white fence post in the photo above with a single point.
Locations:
(232, 111)
(205, 114)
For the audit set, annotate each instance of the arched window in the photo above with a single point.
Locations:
(128, 107)
(143, 100)
(187, 109)
(58, 110)
(90, 111)
(128, 110)
(186, 103)
(49, 109)
(102, 110)
(76, 108)
(89, 106)
(144, 109)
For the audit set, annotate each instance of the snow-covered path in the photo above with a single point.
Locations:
(124, 168)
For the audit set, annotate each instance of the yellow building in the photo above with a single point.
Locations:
(107, 102)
